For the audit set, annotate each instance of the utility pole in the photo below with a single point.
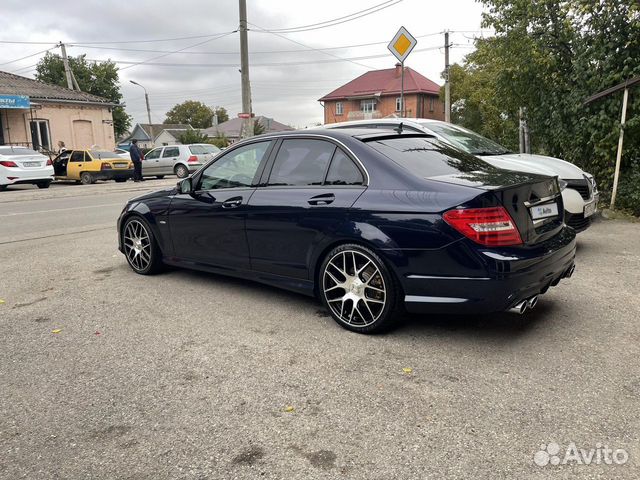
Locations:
(67, 69)
(447, 87)
(247, 120)
(146, 99)
(616, 173)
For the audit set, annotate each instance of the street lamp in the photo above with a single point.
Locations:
(146, 98)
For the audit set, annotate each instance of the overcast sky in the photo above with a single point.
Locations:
(287, 75)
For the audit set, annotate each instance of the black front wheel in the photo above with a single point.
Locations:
(86, 178)
(140, 246)
(358, 289)
(43, 184)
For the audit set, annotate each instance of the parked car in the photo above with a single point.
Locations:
(122, 153)
(177, 160)
(19, 165)
(88, 166)
(580, 192)
(368, 220)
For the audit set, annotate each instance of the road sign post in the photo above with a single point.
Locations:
(400, 46)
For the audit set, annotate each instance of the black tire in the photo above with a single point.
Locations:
(86, 178)
(139, 263)
(159, 177)
(43, 184)
(3, 188)
(181, 171)
(379, 295)
(120, 180)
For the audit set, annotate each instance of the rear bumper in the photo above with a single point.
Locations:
(114, 174)
(12, 176)
(507, 276)
(193, 167)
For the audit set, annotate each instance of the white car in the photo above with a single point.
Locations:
(22, 165)
(580, 194)
(180, 160)
(122, 153)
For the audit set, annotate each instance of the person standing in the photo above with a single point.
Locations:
(136, 157)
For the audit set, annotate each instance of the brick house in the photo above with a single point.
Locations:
(376, 94)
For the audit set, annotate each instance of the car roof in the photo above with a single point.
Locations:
(414, 122)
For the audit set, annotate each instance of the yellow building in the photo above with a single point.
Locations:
(39, 115)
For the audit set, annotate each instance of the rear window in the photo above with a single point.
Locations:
(210, 148)
(17, 151)
(100, 155)
(196, 149)
(427, 157)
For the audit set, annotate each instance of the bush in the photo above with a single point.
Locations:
(220, 141)
(628, 197)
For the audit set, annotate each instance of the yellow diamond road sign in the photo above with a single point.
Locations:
(402, 44)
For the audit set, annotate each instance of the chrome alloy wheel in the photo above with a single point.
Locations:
(354, 288)
(137, 245)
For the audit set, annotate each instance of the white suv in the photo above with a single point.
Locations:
(180, 160)
(580, 194)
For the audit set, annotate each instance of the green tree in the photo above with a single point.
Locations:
(222, 113)
(220, 140)
(193, 136)
(549, 56)
(258, 128)
(191, 112)
(97, 78)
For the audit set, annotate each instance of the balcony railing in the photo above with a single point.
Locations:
(360, 115)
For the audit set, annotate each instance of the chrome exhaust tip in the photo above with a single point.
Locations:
(569, 273)
(520, 307)
(532, 302)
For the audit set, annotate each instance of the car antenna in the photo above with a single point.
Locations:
(399, 128)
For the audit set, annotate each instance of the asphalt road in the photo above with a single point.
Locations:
(108, 374)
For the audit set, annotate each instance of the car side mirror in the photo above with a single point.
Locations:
(186, 186)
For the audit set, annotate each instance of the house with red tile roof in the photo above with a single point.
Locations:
(376, 94)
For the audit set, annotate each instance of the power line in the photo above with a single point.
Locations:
(307, 46)
(27, 56)
(176, 51)
(267, 64)
(339, 20)
(299, 50)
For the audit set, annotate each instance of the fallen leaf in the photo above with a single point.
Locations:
(57, 330)
(407, 370)
(2, 301)
(98, 333)
(289, 409)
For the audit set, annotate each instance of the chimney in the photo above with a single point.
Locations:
(398, 70)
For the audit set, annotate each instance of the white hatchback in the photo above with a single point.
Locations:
(19, 165)
(180, 160)
(579, 195)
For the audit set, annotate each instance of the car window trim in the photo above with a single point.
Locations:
(265, 181)
(326, 174)
(345, 149)
(198, 176)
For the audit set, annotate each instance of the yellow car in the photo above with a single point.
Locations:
(87, 166)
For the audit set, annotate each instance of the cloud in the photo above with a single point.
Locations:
(288, 93)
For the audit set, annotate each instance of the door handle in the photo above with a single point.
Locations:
(323, 199)
(232, 203)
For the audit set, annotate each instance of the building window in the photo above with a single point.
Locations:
(399, 104)
(40, 137)
(339, 108)
(368, 106)
(431, 104)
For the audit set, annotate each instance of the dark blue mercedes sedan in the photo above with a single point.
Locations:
(371, 222)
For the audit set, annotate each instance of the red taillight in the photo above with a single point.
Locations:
(105, 166)
(491, 226)
(49, 163)
(8, 163)
(192, 159)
